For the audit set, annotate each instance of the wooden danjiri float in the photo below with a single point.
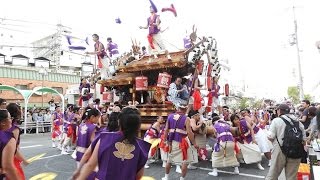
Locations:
(146, 79)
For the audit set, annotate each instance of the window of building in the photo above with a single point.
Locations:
(59, 89)
(21, 87)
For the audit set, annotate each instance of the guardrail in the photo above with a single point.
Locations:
(38, 127)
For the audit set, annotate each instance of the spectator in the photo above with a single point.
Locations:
(304, 118)
(279, 161)
(29, 116)
(34, 115)
(52, 105)
(3, 103)
(315, 125)
(47, 116)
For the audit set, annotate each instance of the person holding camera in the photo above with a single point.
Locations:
(288, 136)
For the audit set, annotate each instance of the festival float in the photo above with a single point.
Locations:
(143, 81)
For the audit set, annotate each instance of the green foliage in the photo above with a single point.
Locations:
(293, 94)
(243, 103)
(308, 97)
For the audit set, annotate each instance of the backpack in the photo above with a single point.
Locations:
(292, 146)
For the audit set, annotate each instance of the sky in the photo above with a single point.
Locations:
(252, 34)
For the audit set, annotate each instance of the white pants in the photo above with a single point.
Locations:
(104, 71)
(158, 45)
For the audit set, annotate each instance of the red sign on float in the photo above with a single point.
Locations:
(164, 80)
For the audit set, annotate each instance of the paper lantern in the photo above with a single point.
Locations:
(141, 83)
(209, 83)
(101, 89)
(200, 65)
(226, 89)
(107, 96)
(209, 70)
(164, 80)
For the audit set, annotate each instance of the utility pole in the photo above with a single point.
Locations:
(296, 42)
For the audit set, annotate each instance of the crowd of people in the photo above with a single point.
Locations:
(104, 140)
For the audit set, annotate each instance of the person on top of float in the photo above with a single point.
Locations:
(112, 49)
(103, 60)
(177, 92)
(85, 95)
(154, 37)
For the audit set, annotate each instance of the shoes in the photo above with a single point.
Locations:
(64, 152)
(191, 167)
(241, 161)
(164, 164)
(146, 166)
(178, 169)
(236, 170)
(259, 166)
(74, 155)
(59, 146)
(269, 164)
(53, 144)
(164, 178)
(69, 149)
(214, 172)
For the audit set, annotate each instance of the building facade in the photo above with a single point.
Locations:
(28, 79)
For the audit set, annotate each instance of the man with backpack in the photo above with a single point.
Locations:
(288, 137)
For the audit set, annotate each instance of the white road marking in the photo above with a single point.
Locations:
(26, 142)
(47, 157)
(228, 172)
(26, 147)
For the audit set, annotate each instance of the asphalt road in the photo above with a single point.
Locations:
(50, 163)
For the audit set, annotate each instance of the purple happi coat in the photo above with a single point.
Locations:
(215, 90)
(68, 121)
(5, 138)
(245, 134)
(118, 160)
(13, 127)
(223, 133)
(112, 48)
(153, 28)
(84, 135)
(176, 126)
(187, 43)
(152, 132)
(87, 96)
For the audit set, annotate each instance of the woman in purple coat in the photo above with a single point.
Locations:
(86, 131)
(7, 147)
(15, 112)
(119, 155)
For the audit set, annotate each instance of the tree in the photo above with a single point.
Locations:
(293, 94)
(308, 97)
(243, 103)
(256, 103)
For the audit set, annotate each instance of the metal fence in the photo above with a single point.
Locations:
(36, 127)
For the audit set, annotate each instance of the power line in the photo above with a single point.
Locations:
(22, 46)
(14, 30)
(25, 21)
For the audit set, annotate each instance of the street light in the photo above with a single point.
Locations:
(43, 72)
